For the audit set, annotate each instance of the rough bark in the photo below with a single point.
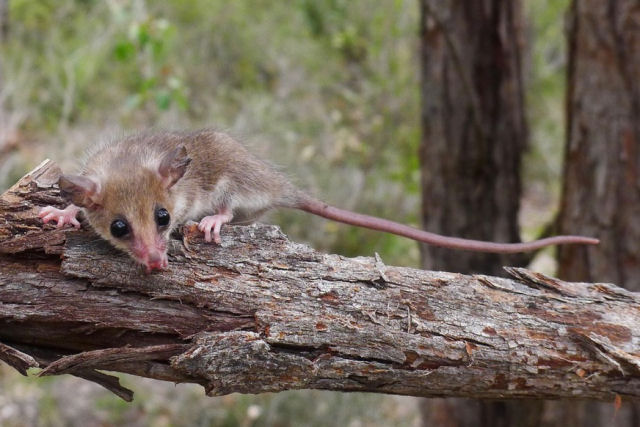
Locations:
(260, 313)
(601, 194)
(474, 135)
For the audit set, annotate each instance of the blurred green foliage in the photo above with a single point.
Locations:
(546, 87)
(328, 90)
(545, 71)
(145, 47)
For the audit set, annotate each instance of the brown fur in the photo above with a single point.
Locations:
(139, 213)
(131, 188)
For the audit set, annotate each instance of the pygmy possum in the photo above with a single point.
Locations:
(135, 190)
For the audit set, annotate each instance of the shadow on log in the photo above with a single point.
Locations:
(261, 313)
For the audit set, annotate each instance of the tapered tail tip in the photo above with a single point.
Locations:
(587, 240)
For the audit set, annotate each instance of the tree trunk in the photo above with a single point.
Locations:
(474, 130)
(602, 164)
(601, 194)
(260, 313)
(474, 135)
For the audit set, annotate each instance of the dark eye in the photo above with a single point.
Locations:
(119, 228)
(162, 217)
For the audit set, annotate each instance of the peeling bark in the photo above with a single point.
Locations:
(261, 313)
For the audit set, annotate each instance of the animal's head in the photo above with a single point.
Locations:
(132, 209)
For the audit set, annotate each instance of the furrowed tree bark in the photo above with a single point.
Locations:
(260, 313)
(601, 194)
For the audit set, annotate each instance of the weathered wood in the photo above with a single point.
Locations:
(261, 313)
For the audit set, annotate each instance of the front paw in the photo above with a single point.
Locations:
(61, 216)
(214, 222)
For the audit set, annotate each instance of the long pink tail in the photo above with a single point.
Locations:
(324, 210)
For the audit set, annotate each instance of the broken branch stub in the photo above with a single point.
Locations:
(261, 313)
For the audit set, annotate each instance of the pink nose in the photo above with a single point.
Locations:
(156, 261)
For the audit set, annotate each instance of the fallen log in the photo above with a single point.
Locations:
(261, 313)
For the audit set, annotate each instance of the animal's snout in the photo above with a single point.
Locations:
(156, 261)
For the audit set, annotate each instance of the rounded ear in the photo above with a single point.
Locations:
(173, 165)
(80, 190)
